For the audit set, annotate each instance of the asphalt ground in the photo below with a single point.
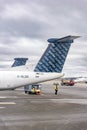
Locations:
(65, 111)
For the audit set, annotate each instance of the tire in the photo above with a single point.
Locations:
(26, 92)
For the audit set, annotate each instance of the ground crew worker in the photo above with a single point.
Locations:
(33, 90)
(56, 87)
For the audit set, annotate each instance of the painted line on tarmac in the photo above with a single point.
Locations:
(5, 97)
(2, 107)
(76, 101)
(2, 97)
(7, 103)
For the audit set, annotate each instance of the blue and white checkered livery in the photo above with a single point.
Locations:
(19, 62)
(55, 55)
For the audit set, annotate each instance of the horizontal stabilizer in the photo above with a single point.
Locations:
(64, 39)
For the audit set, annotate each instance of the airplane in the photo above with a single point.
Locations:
(76, 78)
(20, 61)
(81, 80)
(48, 68)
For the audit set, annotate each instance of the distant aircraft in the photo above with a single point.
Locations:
(76, 78)
(81, 80)
(19, 62)
(49, 66)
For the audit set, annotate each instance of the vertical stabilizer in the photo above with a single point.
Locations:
(19, 62)
(55, 55)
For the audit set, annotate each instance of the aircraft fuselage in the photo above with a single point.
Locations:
(15, 79)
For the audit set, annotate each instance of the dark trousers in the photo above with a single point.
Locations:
(56, 92)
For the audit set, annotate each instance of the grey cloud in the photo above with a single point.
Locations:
(59, 16)
(22, 28)
(40, 20)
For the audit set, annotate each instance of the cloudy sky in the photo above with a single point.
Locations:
(25, 26)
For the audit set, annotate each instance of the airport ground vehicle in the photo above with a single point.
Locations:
(33, 89)
(67, 82)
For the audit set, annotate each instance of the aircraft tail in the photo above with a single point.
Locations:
(19, 62)
(55, 55)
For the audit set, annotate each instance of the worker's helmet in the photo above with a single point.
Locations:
(56, 83)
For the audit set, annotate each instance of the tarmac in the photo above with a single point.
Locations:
(65, 111)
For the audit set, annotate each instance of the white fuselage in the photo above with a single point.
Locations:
(15, 79)
(81, 79)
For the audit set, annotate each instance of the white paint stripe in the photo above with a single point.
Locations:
(7, 103)
(2, 107)
(11, 97)
(77, 101)
(2, 97)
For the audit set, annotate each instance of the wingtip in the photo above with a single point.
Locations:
(75, 37)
